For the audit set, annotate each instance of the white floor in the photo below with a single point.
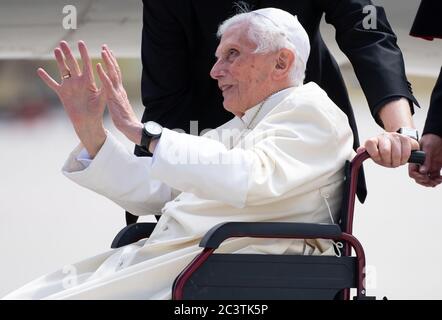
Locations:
(47, 222)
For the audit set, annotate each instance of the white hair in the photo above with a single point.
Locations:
(268, 37)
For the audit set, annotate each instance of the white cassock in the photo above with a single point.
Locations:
(289, 167)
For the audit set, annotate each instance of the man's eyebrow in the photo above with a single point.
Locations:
(226, 47)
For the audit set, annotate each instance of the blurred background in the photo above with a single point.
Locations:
(46, 221)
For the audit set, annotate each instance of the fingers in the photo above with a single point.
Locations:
(430, 170)
(435, 175)
(112, 72)
(413, 172)
(424, 169)
(70, 60)
(51, 83)
(371, 145)
(406, 148)
(106, 82)
(437, 181)
(425, 179)
(385, 151)
(114, 61)
(62, 67)
(406, 145)
(87, 65)
(360, 149)
(390, 149)
(414, 144)
(433, 182)
(397, 152)
(431, 155)
(428, 174)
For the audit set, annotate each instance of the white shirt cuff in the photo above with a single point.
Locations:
(84, 158)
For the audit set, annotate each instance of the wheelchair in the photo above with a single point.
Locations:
(213, 276)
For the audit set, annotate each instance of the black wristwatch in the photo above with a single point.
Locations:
(151, 130)
(409, 132)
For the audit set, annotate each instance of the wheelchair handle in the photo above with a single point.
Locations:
(417, 157)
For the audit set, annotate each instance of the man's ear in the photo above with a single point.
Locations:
(284, 62)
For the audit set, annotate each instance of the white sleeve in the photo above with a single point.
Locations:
(295, 152)
(120, 176)
(200, 165)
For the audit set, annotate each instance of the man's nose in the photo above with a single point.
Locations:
(217, 70)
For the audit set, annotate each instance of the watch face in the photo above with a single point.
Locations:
(153, 128)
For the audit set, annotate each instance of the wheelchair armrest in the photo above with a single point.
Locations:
(132, 233)
(215, 236)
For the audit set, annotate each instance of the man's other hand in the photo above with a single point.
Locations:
(120, 109)
(428, 174)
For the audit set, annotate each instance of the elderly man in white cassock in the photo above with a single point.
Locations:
(280, 158)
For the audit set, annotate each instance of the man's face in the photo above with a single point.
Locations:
(244, 77)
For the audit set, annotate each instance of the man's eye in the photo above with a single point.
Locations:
(232, 52)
